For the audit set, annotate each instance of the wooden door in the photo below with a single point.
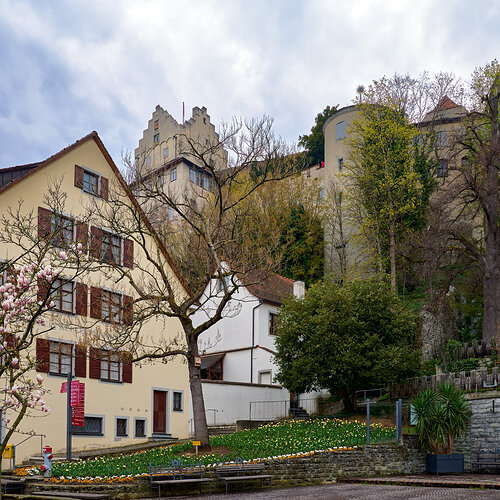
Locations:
(159, 412)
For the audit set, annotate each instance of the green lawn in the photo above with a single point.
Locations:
(270, 440)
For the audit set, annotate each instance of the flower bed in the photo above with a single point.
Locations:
(276, 440)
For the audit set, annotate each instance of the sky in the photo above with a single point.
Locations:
(70, 67)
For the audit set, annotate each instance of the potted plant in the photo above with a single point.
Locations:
(440, 418)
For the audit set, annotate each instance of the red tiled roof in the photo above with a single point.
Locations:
(273, 288)
(445, 103)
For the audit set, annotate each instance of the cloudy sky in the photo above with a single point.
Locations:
(70, 67)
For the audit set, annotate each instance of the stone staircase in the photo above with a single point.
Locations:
(217, 430)
(299, 413)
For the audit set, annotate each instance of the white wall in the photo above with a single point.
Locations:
(232, 401)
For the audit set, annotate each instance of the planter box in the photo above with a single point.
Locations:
(445, 464)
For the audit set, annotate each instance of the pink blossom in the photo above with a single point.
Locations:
(39, 378)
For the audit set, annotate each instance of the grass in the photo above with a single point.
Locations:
(267, 441)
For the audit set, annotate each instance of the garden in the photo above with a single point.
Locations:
(274, 440)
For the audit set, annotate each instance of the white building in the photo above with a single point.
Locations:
(238, 365)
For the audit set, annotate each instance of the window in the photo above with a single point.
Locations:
(192, 174)
(177, 401)
(165, 153)
(341, 164)
(170, 213)
(272, 323)
(159, 181)
(207, 182)
(63, 296)
(111, 366)
(340, 131)
(140, 427)
(63, 230)
(442, 168)
(111, 248)
(441, 139)
(173, 174)
(122, 427)
(265, 377)
(90, 183)
(156, 138)
(156, 124)
(61, 358)
(112, 308)
(148, 161)
(93, 426)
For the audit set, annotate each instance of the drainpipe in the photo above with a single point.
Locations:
(253, 339)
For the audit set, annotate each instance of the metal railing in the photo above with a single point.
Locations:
(278, 410)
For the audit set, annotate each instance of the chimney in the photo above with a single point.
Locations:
(299, 289)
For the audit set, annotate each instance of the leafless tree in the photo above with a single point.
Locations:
(209, 230)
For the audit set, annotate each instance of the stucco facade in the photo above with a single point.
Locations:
(120, 406)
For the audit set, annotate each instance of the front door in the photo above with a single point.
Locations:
(159, 412)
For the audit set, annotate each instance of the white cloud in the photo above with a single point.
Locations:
(72, 67)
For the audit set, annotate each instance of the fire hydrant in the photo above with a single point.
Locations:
(47, 461)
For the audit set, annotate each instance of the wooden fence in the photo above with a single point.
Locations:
(475, 349)
(473, 381)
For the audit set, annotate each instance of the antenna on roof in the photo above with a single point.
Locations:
(183, 112)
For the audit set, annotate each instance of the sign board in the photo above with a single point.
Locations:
(77, 402)
(8, 452)
(196, 443)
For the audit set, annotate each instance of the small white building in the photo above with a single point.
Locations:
(238, 367)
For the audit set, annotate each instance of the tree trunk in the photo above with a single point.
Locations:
(349, 402)
(199, 415)
(491, 278)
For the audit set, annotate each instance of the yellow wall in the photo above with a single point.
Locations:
(102, 398)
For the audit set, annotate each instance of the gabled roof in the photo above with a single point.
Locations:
(445, 103)
(273, 288)
(27, 170)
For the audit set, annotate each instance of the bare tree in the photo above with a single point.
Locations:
(210, 230)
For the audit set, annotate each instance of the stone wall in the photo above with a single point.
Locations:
(484, 429)
(378, 460)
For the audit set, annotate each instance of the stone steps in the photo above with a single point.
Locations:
(217, 430)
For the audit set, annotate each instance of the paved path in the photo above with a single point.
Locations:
(356, 492)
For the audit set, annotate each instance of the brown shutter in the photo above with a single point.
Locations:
(78, 176)
(80, 361)
(81, 299)
(10, 338)
(128, 309)
(127, 369)
(82, 235)
(95, 302)
(94, 363)
(96, 242)
(128, 253)
(43, 355)
(43, 290)
(104, 188)
(44, 222)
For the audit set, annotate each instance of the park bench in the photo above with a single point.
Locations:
(12, 486)
(487, 460)
(239, 471)
(177, 474)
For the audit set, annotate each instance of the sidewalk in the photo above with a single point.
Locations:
(490, 481)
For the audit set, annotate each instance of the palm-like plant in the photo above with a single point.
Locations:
(441, 417)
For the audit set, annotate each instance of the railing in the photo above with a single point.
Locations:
(277, 410)
(473, 381)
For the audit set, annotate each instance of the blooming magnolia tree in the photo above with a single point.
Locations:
(21, 321)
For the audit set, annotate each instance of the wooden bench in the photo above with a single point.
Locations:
(177, 474)
(487, 460)
(240, 471)
(12, 486)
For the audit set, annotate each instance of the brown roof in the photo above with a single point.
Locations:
(273, 288)
(445, 103)
(34, 167)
